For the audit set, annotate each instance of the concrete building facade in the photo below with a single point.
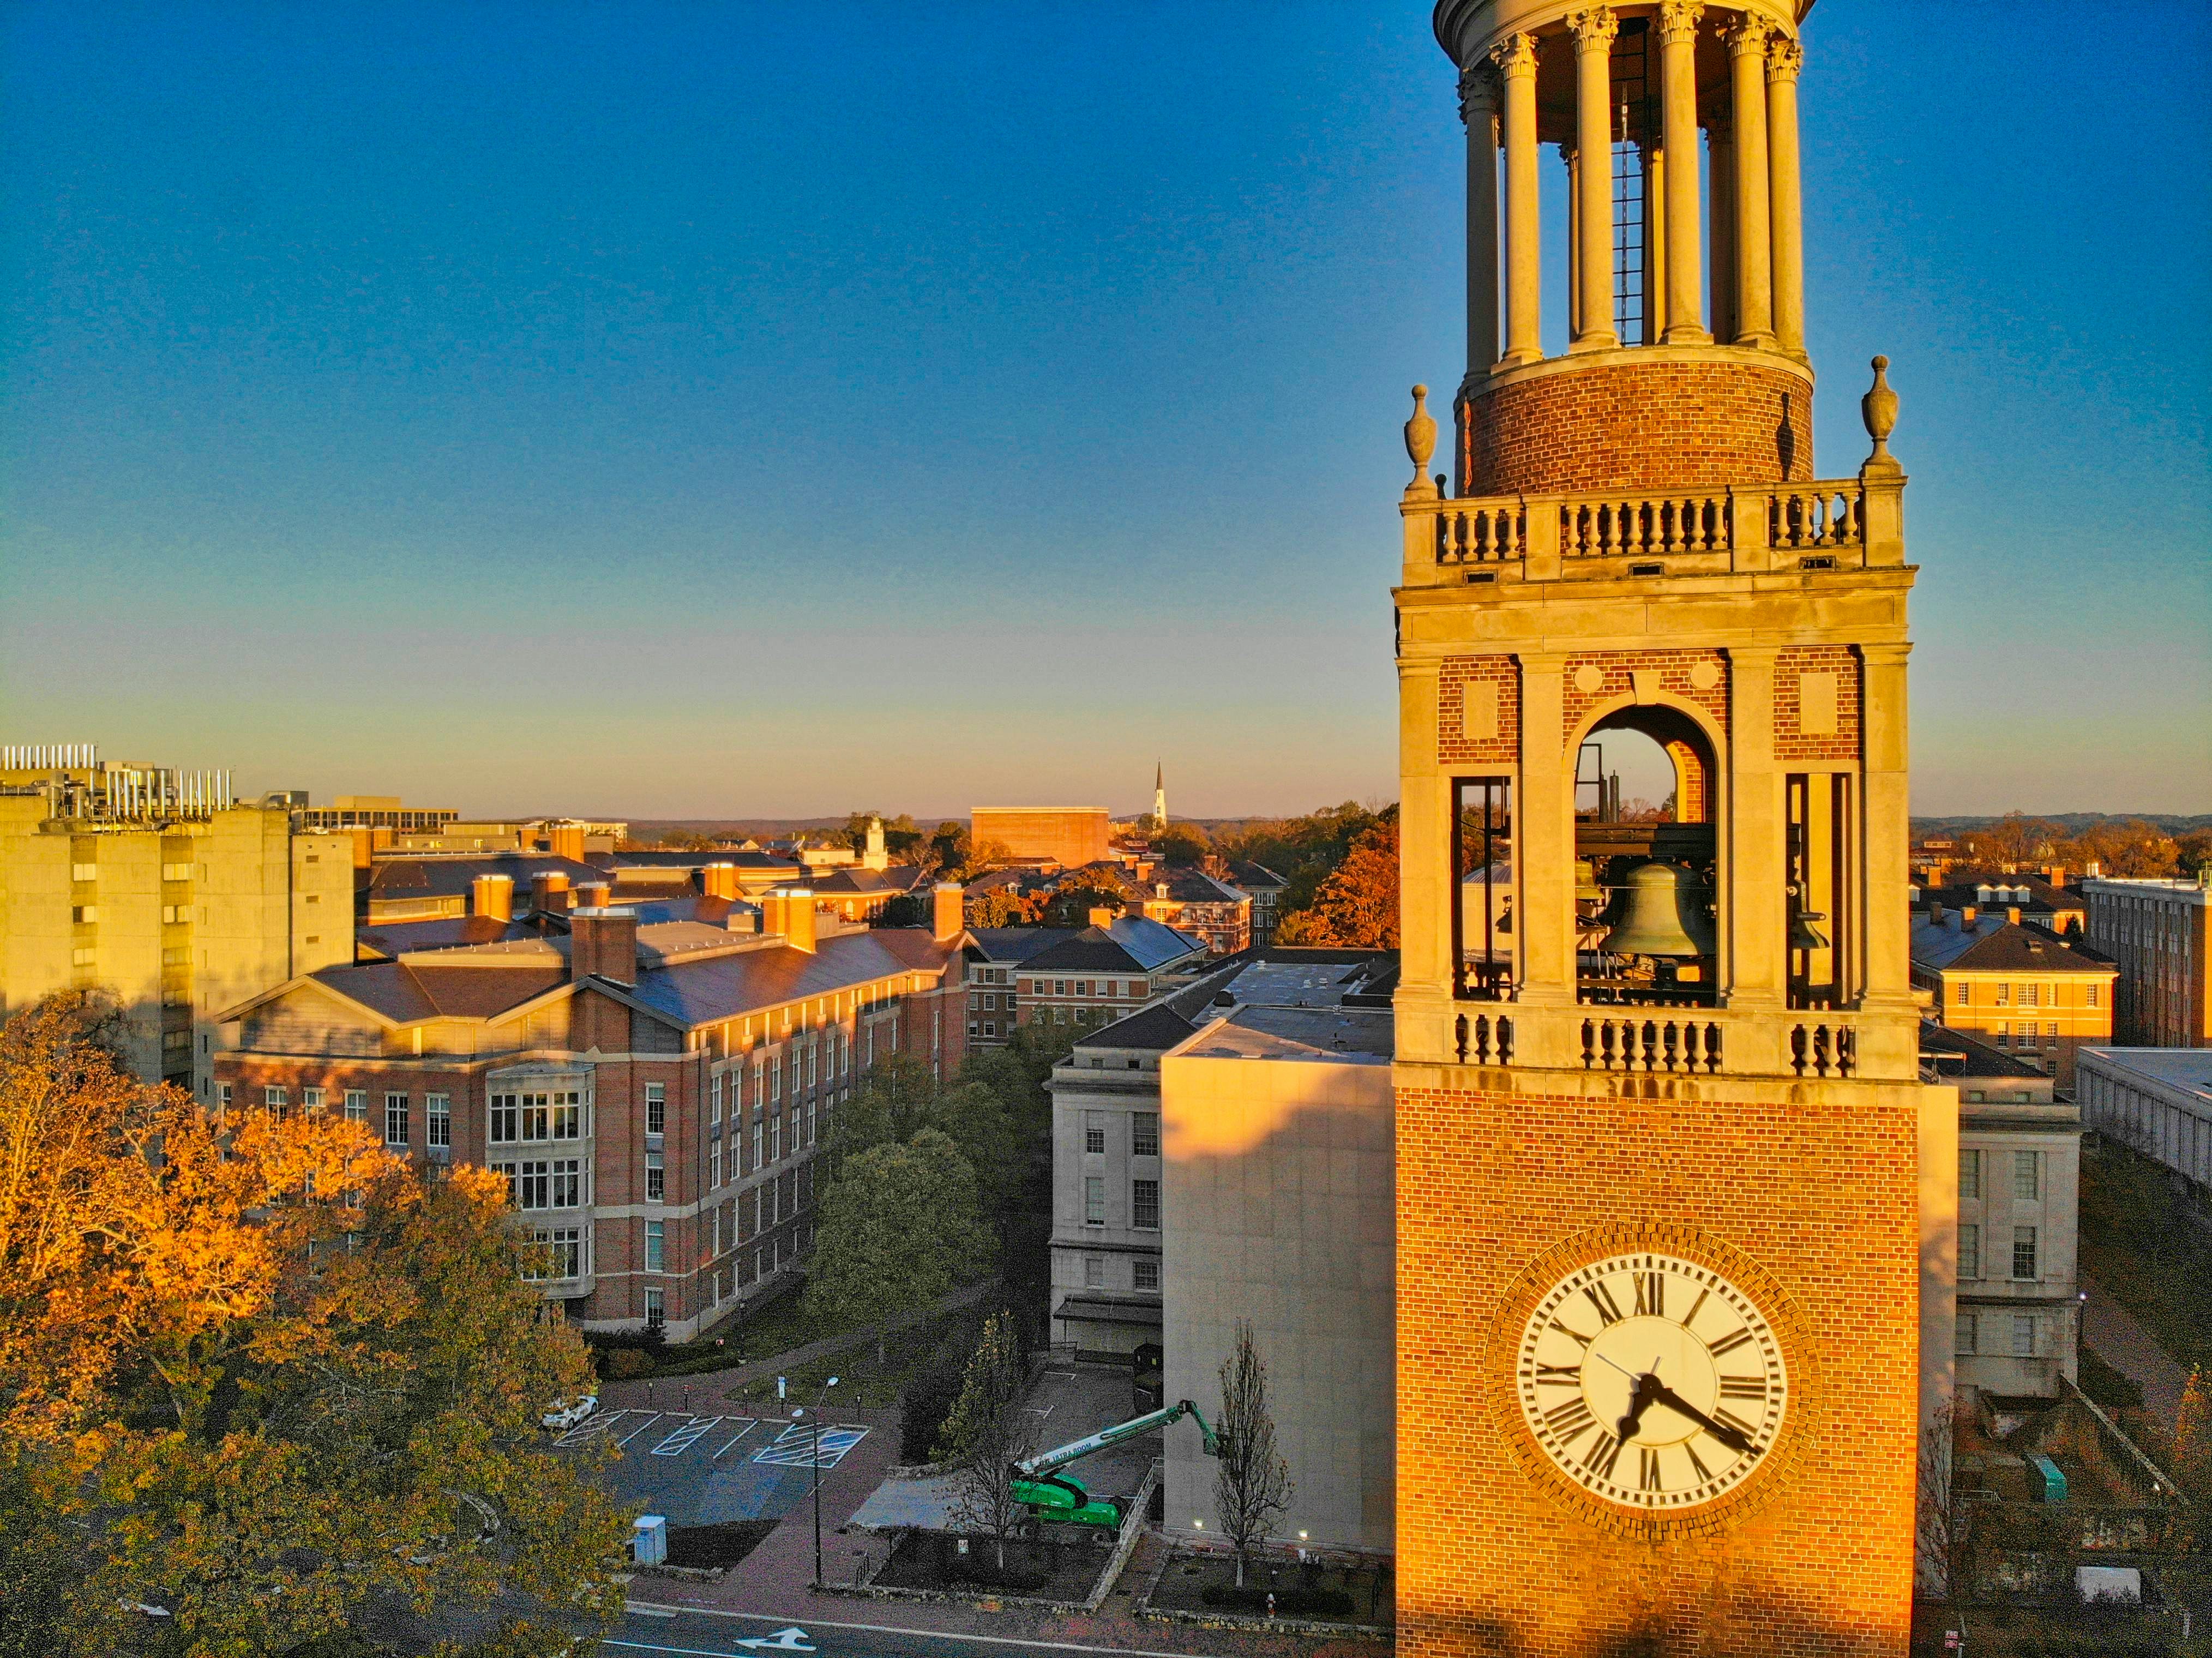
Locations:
(2158, 1101)
(1069, 836)
(177, 907)
(2155, 931)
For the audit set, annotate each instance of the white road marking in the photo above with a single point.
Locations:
(794, 1447)
(919, 1634)
(685, 1436)
(641, 1427)
(593, 1427)
(652, 1646)
(750, 1424)
(784, 1640)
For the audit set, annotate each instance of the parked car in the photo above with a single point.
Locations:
(565, 1413)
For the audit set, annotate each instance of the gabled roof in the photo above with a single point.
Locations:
(694, 860)
(451, 878)
(1966, 1057)
(1257, 876)
(1015, 943)
(1995, 945)
(1132, 944)
(384, 940)
(1188, 884)
(2036, 893)
(404, 992)
(724, 987)
(867, 883)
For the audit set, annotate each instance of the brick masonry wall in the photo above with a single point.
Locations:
(1654, 426)
(1819, 1210)
(1455, 746)
(1677, 676)
(1790, 741)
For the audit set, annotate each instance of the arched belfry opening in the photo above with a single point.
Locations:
(1647, 875)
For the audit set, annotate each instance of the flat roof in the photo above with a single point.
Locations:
(2186, 1068)
(1339, 1035)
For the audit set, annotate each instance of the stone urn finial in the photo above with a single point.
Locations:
(1878, 409)
(1420, 439)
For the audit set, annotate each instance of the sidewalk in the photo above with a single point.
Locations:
(2129, 1348)
(666, 1392)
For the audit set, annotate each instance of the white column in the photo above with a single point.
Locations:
(1593, 229)
(1754, 270)
(1784, 61)
(1477, 107)
(1515, 59)
(1678, 41)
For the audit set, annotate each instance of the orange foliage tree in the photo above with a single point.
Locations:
(1357, 907)
(285, 1372)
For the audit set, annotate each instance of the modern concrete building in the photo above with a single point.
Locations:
(2020, 1177)
(153, 887)
(2159, 1102)
(366, 811)
(1070, 836)
(655, 1094)
(2019, 986)
(2156, 932)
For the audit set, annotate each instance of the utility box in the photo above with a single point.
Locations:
(648, 1539)
(2047, 1481)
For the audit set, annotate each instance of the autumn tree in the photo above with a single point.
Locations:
(286, 1372)
(2192, 1435)
(901, 1225)
(1357, 907)
(1182, 843)
(988, 1432)
(1252, 1488)
(1940, 1541)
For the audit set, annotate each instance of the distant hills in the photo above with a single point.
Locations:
(2072, 821)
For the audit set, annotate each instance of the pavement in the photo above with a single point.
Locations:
(2123, 1342)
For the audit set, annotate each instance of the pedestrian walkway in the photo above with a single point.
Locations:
(2121, 1340)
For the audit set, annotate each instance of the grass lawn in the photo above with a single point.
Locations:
(2140, 1246)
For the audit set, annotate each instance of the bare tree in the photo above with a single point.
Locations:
(1252, 1489)
(988, 1433)
(1941, 1533)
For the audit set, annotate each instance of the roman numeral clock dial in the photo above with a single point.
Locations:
(1651, 1382)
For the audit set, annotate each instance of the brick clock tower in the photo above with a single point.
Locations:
(1661, 1141)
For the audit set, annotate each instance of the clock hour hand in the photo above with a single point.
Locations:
(1662, 1394)
(1650, 1391)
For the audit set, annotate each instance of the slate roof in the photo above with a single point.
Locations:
(694, 859)
(2040, 895)
(729, 986)
(1130, 944)
(1187, 884)
(1255, 878)
(451, 878)
(1015, 943)
(849, 882)
(404, 992)
(1323, 978)
(1995, 945)
(384, 940)
(1962, 1056)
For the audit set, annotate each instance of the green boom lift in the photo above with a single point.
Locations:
(1058, 1498)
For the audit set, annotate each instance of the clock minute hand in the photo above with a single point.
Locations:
(1662, 1394)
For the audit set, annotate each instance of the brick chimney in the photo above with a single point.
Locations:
(1102, 917)
(603, 943)
(1935, 915)
(1966, 915)
(548, 891)
(789, 911)
(593, 894)
(2012, 914)
(568, 841)
(948, 912)
(2056, 874)
(492, 896)
(718, 880)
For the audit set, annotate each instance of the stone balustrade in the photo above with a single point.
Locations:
(1839, 523)
(1686, 1041)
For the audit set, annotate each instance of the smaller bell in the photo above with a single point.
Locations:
(1803, 935)
(1662, 913)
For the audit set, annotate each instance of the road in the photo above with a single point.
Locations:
(751, 1635)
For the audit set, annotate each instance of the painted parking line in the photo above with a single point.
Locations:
(794, 1447)
(650, 1419)
(593, 1427)
(751, 1422)
(685, 1436)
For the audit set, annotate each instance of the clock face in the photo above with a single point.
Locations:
(1651, 1382)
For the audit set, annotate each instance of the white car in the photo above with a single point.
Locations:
(566, 1413)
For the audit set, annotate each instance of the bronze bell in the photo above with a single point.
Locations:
(1803, 935)
(1662, 913)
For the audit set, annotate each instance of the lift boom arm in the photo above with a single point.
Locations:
(1045, 1461)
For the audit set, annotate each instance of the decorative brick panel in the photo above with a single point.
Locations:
(1834, 724)
(1678, 673)
(1472, 690)
(1818, 1202)
(1654, 426)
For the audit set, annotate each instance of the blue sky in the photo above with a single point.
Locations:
(722, 410)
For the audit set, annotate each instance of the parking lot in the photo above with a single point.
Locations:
(707, 1470)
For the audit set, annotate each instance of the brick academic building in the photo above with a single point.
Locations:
(656, 1095)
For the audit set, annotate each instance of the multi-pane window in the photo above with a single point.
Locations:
(356, 1104)
(437, 1119)
(2023, 1334)
(1093, 1272)
(714, 1163)
(275, 1100)
(1094, 1132)
(656, 1177)
(567, 1252)
(556, 1183)
(2031, 995)
(311, 1100)
(1145, 1204)
(1145, 1272)
(1145, 1133)
(2027, 1181)
(656, 1245)
(775, 1138)
(1970, 1174)
(555, 1114)
(714, 1098)
(395, 1120)
(810, 1122)
(1961, 994)
(1970, 1251)
(1094, 1200)
(656, 1108)
(2089, 995)
(1968, 1332)
(2004, 994)
(2023, 1252)
(656, 1311)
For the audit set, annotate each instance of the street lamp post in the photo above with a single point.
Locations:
(814, 1460)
